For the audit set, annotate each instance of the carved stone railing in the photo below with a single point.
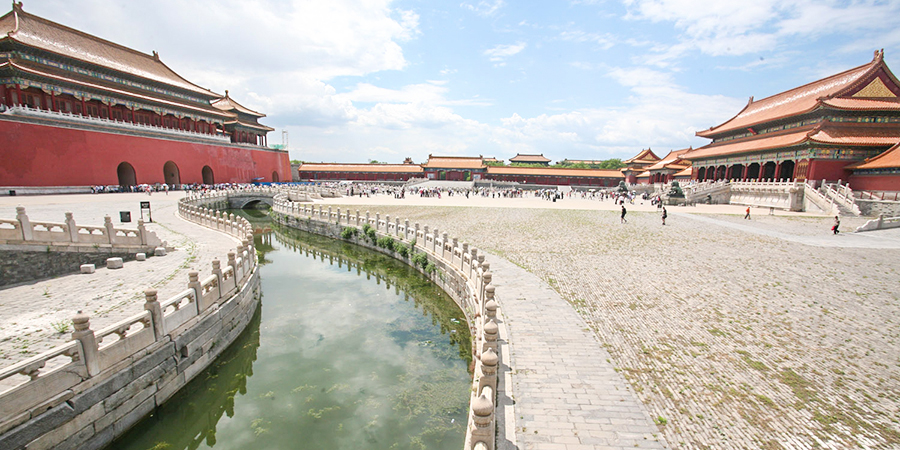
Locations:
(842, 196)
(155, 352)
(460, 270)
(880, 223)
(22, 230)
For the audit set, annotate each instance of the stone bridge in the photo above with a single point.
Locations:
(253, 198)
(250, 199)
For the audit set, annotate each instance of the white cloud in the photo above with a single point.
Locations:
(483, 7)
(603, 41)
(500, 52)
(717, 28)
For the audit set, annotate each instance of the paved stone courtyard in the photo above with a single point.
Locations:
(768, 333)
(733, 339)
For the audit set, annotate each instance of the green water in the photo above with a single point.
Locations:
(350, 349)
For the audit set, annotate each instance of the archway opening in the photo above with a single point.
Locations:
(787, 171)
(275, 178)
(769, 171)
(753, 171)
(736, 172)
(125, 173)
(171, 173)
(208, 177)
(701, 173)
(720, 173)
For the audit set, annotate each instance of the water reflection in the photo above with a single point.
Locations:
(340, 361)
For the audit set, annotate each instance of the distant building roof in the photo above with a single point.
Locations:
(644, 157)
(552, 171)
(370, 168)
(672, 161)
(521, 158)
(454, 162)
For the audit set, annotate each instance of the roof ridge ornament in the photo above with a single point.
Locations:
(16, 8)
(155, 55)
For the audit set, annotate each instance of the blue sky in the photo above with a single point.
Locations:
(354, 80)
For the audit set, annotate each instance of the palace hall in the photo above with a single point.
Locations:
(77, 110)
(843, 127)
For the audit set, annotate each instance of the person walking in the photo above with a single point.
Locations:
(837, 224)
(664, 215)
(623, 213)
(747, 214)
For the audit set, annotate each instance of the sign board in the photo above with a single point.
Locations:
(146, 206)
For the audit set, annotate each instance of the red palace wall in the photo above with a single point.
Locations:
(40, 155)
(875, 183)
(830, 170)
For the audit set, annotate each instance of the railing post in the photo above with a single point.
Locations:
(151, 304)
(397, 226)
(217, 271)
(482, 418)
(71, 227)
(25, 224)
(194, 283)
(90, 352)
(110, 230)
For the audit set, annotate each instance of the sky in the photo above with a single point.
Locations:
(361, 80)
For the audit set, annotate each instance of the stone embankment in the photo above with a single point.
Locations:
(458, 269)
(86, 392)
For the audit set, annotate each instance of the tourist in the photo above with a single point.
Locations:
(664, 215)
(837, 224)
(623, 213)
(747, 214)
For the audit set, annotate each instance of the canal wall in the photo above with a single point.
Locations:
(460, 270)
(85, 393)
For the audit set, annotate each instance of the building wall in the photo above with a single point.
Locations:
(831, 170)
(40, 155)
(875, 182)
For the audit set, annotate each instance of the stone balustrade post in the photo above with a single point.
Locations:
(217, 271)
(490, 335)
(110, 230)
(329, 215)
(377, 221)
(397, 226)
(71, 227)
(444, 245)
(339, 215)
(482, 418)
(473, 262)
(194, 283)
(462, 255)
(406, 229)
(24, 224)
(151, 303)
(90, 351)
(232, 262)
(357, 217)
(142, 232)
(368, 220)
(387, 224)
(490, 305)
(489, 360)
(416, 234)
(320, 212)
(486, 278)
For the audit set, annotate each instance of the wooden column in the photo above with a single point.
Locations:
(19, 94)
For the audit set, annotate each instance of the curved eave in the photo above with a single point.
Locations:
(171, 104)
(163, 78)
(250, 125)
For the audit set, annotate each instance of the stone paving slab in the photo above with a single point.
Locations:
(567, 393)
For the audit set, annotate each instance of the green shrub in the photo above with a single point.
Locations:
(430, 268)
(420, 260)
(349, 233)
(386, 243)
(402, 249)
